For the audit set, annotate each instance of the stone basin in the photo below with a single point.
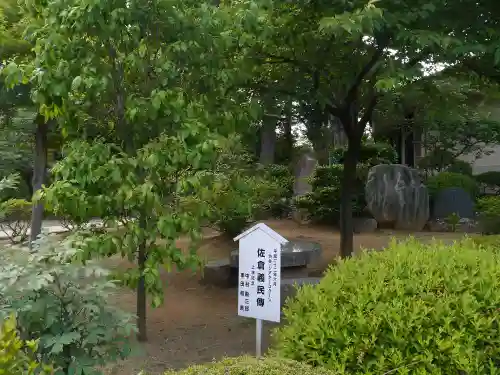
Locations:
(296, 253)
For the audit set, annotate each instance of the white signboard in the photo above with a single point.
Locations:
(259, 279)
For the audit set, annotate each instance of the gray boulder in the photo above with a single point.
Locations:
(396, 197)
(453, 201)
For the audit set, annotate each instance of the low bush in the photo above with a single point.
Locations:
(282, 177)
(489, 181)
(444, 180)
(488, 209)
(414, 308)
(252, 366)
(65, 305)
(460, 166)
(15, 216)
(239, 198)
(491, 242)
(18, 357)
(372, 153)
(323, 203)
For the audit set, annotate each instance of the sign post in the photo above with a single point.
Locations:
(259, 277)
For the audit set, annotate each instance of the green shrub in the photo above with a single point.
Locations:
(372, 153)
(252, 366)
(15, 216)
(240, 198)
(460, 166)
(420, 308)
(65, 305)
(18, 357)
(282, 177)
(488, 209)
(323, 203)
(436, 160)
(491, 242)
(490, 180)
(444, 180)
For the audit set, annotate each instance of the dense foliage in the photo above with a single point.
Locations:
(419, 308)
(252, 366)
(488, 209)
(64, 305)
(445, 180)
(18, 357)
(489, 181)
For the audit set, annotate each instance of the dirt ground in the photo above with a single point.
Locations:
(199, 323)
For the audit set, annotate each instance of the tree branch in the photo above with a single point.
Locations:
(286, 60)
(353, 90)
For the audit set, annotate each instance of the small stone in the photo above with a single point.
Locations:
(364, 225)
(220, 273)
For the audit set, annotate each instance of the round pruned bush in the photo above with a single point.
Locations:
(490, 180)
(372, 153)
(445, 180)
(414, 308)
(252, 366)
(488, 209)
(323, 203)
(460, 166)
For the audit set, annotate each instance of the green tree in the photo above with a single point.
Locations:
(150, 77)
(347, 56)
(15, 89)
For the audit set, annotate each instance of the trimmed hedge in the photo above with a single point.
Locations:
(419, 308)
(252, 366)
(490, 180)
(489, 214)
(446, 180)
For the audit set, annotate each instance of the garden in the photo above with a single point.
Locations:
(139, 137)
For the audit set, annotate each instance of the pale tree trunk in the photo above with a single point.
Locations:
(268, 140)
(287, 127)
(39, 174)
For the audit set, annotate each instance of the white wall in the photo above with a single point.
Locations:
(487, 162)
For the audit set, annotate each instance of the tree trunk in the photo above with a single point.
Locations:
(39, 172)
(142, 335)
(288, 136)
(348, 181)
(318, 133)
(268, 140)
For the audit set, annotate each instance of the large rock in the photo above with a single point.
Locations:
(396, 197)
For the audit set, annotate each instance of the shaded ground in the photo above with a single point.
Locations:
(199, 323)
